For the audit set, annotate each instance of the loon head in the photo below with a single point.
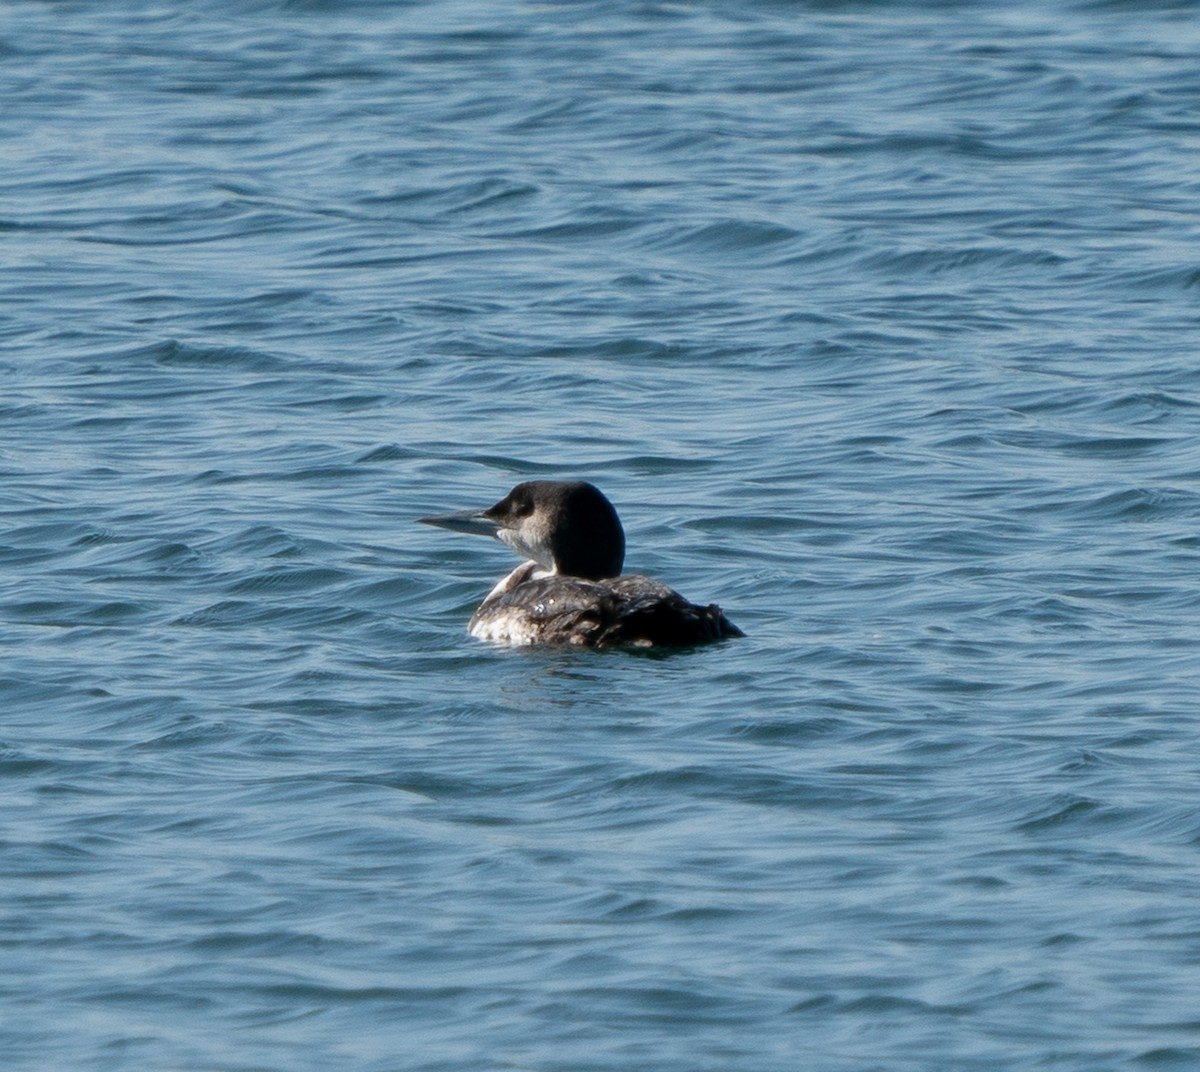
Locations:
(567, 527)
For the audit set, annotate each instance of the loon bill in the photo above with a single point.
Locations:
(571, 589)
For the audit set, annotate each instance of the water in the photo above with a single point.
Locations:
(878, 322)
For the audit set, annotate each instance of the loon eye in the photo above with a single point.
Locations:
(522, 507)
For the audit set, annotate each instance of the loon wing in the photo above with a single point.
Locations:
(547, 610)
(630, 611)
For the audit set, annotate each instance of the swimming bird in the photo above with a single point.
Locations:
(570, 589)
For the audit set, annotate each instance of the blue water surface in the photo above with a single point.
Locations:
(879, 323)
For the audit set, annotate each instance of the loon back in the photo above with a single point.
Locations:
(531, 607)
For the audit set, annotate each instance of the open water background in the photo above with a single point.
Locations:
(878, 322)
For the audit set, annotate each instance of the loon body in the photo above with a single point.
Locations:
(571, 589)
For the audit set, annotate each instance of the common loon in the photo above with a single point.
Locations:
(571, 591)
